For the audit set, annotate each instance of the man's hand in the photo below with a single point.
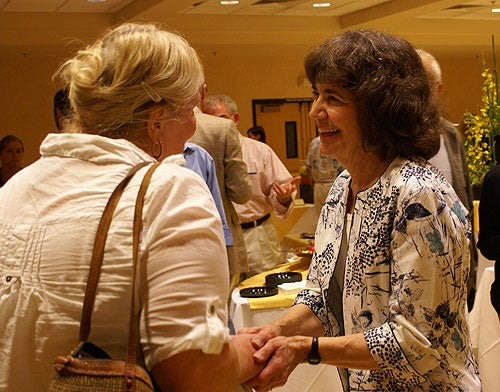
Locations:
(284, 191)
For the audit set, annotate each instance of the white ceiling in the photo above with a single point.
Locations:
(454, 23)
(62, 6)
(478, 9)
(281, 8)
(466, 9)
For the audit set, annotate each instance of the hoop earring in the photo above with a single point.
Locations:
(155, 154)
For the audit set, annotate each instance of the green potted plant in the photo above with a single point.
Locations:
(483, 128)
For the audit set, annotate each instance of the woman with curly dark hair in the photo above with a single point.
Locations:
(386, 289)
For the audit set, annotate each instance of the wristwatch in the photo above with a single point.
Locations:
(314, 358)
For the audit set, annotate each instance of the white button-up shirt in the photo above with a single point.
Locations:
(48, 219)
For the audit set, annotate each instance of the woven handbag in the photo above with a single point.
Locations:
(87, 367)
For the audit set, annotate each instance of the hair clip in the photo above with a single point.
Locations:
(155, 97)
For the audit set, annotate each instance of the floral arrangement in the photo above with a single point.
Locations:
(483, 127)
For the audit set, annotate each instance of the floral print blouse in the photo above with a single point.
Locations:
(405, 279)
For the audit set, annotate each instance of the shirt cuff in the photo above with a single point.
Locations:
(209, 337)
(399, 348)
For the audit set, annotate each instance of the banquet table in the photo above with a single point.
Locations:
(294, 241)
(302, 217)
(485, 333)
(247, 312)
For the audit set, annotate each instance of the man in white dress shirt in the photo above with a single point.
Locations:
(274, 190)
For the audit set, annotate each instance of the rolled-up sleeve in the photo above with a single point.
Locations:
(185, 297)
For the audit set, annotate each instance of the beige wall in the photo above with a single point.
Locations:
(462, 82)
(243, 73)
(254, 74)
(26, 97)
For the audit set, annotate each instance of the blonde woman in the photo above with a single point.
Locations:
(132, 92)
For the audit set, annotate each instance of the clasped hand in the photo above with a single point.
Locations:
(279, 354)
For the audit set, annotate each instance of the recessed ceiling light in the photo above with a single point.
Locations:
(321, 5)
(229, 2)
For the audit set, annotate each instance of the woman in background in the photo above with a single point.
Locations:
(132, 93)
(11, 155)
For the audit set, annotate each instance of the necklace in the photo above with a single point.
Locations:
(371, 179)
(374, 175)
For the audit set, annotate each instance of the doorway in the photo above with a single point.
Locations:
(289, 130)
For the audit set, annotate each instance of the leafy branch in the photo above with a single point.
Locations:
(483, 127)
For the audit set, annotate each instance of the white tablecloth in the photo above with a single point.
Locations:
(305, 378)
(485, 333)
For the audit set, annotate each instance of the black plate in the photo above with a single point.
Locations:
(258, 292)
(273, 280)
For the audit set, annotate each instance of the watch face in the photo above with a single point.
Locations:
(312, 360)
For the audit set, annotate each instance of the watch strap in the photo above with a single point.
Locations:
(314, 358)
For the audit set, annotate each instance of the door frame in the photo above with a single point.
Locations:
(274, 101)
(303, 129)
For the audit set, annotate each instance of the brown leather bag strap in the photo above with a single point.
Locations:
(98, 253)
(131, 354)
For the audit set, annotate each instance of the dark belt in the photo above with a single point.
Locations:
(255, 223)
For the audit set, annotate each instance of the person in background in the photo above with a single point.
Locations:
(489, 228)
(62, 108)
(323, 170)
(274, 192)
(220, 139)
(133, 92)
(257, 133)
(11, 157)
(384, 299)
(200, 161)
(450, 160)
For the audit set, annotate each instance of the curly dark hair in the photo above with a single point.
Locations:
(390, 86)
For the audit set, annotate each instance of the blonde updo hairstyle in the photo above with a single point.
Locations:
(115, 83)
